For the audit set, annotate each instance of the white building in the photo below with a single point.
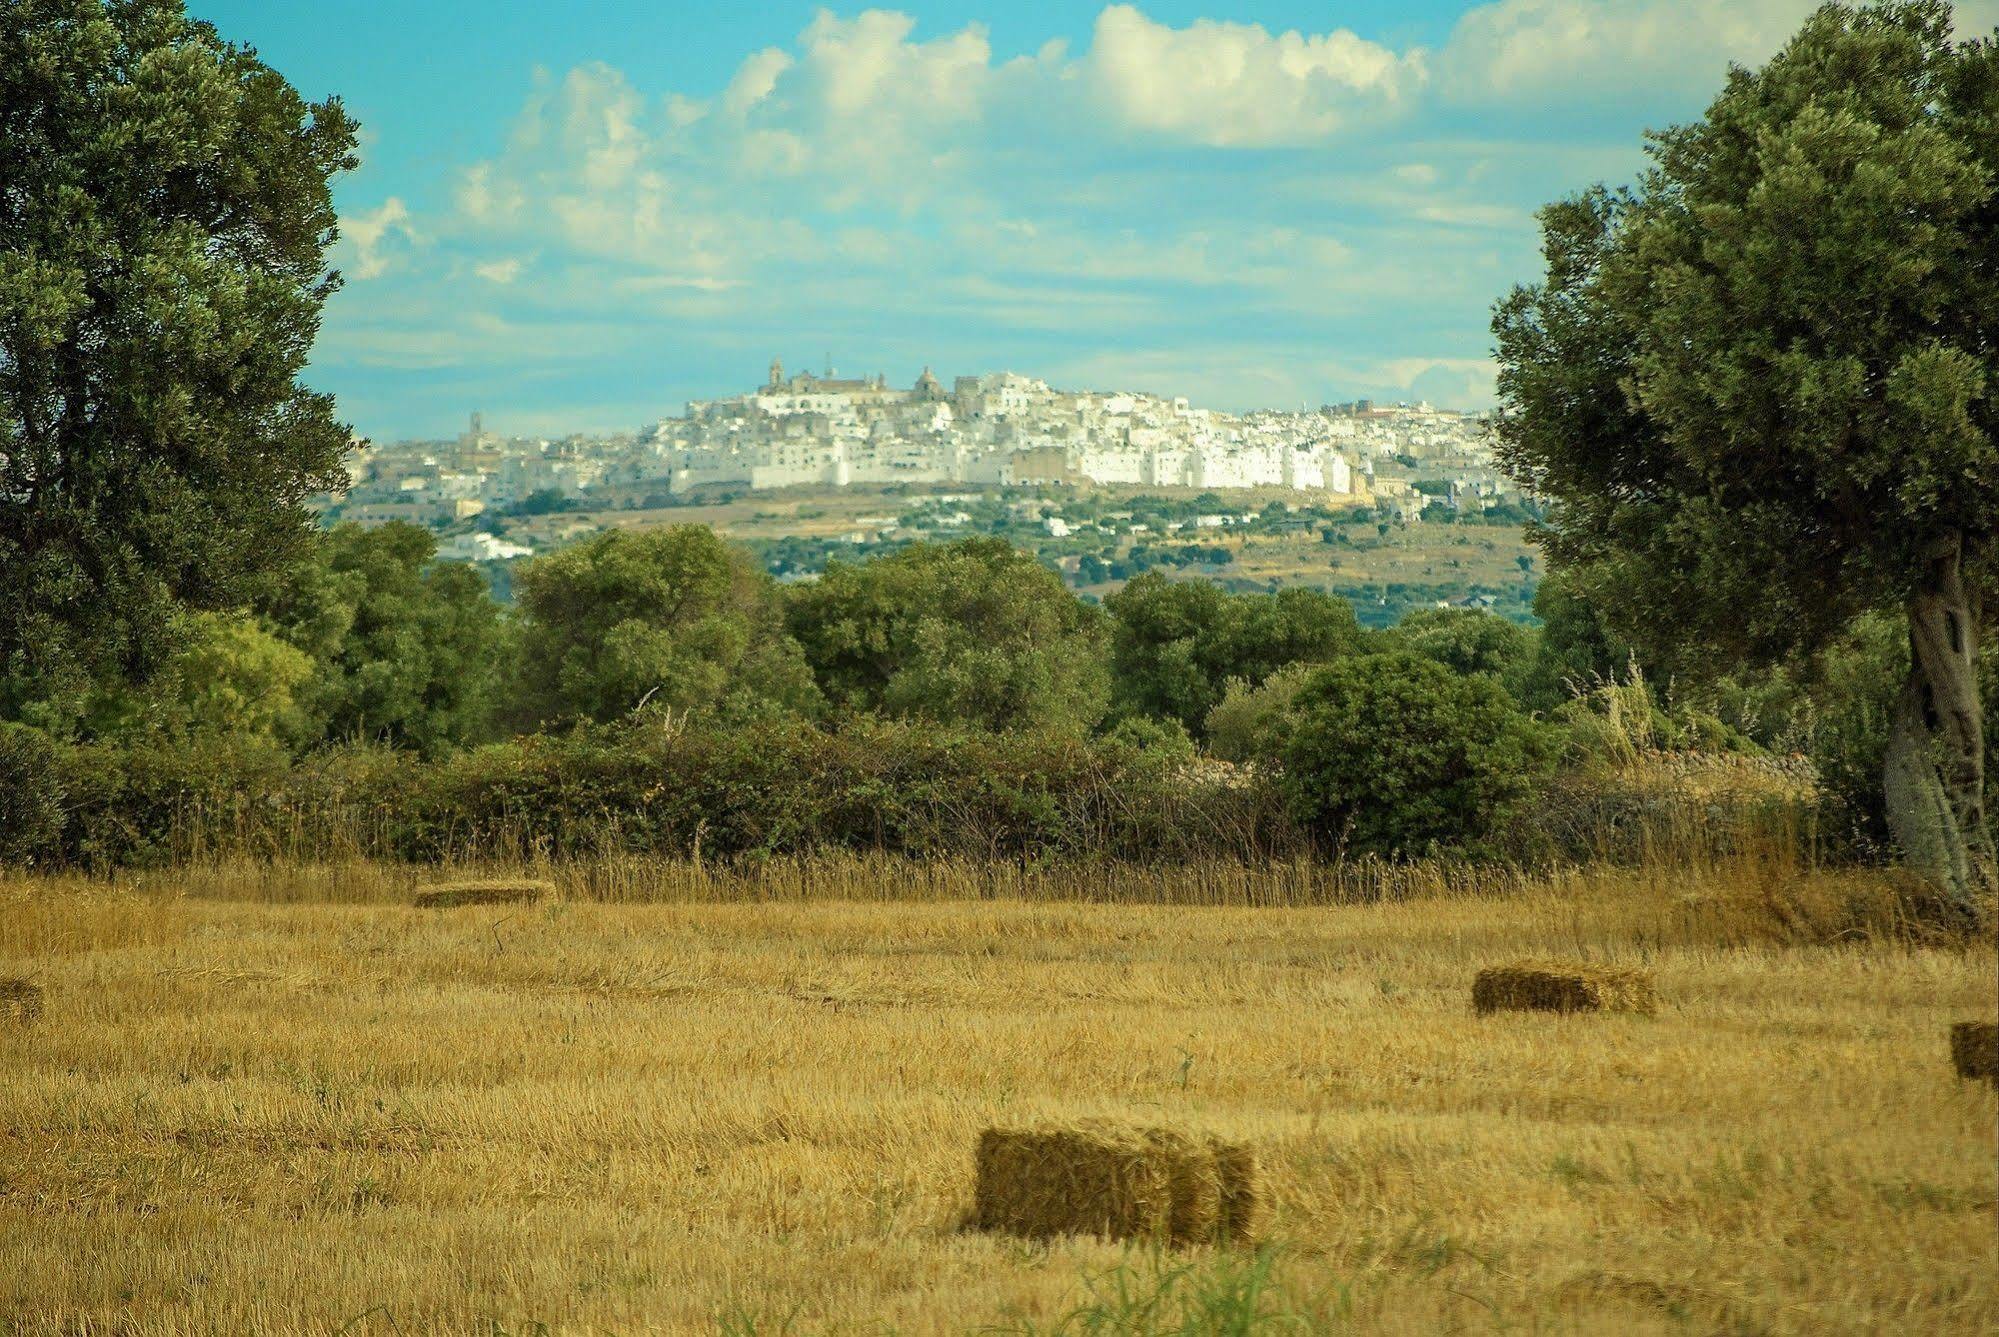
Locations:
(823, 431)
(480, 548)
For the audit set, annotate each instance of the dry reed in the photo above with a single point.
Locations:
(1562, 986)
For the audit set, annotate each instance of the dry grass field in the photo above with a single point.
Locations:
(1422, 554)
(283, 1100)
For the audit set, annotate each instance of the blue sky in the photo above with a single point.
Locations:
(578, 216)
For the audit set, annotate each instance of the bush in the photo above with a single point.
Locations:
(771, 787)
(1166, 739)
(161, 798)
(1468, 640)
(1394, 755)
(972, 632)
(31, 794)
(1245, 727)
(1176, 645)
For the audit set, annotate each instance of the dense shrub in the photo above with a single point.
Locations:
(31, 795)
(1161, 738)
(964, 685)
(673, 619)
(974, 633)
(1246, 726)
(167, 797)
(1176, 645)
(1395, 755)
(768, 787)
(1468, 640)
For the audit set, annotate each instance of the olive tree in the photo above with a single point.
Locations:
(1758, 387)
(165, 211)
(974, 633)
(670, 618)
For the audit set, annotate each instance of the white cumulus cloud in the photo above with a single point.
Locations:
(1563, 51)
(1236, 85)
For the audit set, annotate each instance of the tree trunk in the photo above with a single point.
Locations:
(1935, 764)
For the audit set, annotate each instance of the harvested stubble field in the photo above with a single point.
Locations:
(284, 1100)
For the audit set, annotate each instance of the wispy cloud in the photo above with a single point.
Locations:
(372, 240)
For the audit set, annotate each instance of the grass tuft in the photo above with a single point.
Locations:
(1229, 1295)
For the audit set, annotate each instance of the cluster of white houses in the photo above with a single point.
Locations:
(808, 430)
(996, 430)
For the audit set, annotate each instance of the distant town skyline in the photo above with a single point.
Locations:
(830, 371)
(580, 221)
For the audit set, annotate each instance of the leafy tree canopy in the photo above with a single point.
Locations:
(973, 632)
(228, 678)
(670, 618)
(164, 217)
(407, 651)
(1176, 645)
(1758, 385)
(1468, 640)
(1574, 652)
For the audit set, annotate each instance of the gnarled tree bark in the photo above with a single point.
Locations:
(1934, 777)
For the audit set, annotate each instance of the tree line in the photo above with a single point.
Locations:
(1423, 738)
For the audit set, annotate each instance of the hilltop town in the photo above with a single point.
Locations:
(997, 430)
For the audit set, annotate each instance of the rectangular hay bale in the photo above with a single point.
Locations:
(1562, 986)
(1120, 1182)
(1974, 1050)
(1244, 1205)
(446, 895)
(20, 1000)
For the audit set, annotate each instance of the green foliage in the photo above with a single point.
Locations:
(1837, 713)
(232, 677)
(228, 677)
(156, 797)
(407, 651)
(975, 633)
(1247, 726)
(544, 501)
(1393, 755)
(776, 786)
(1623, 718)
(1756, 387)
(1229, 1295)
(1467, 640)
(1844, 722)
(671, 619)
(1176, 645)
(31, 795)
(1574, 652)
(1165, 739)
(162, 266)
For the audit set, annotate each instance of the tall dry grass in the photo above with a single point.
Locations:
(689, 1098)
